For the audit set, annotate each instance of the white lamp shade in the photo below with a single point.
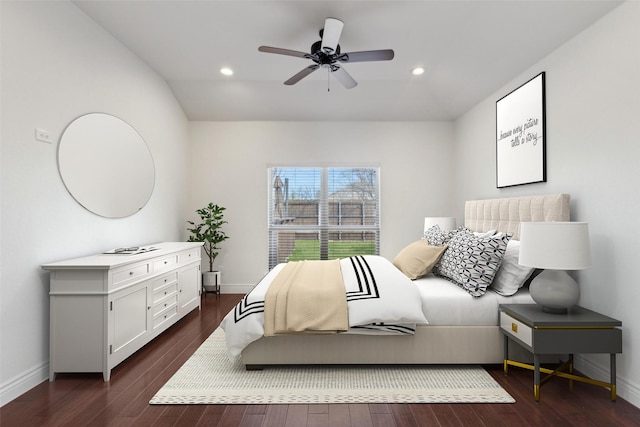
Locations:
(555, 245)
(445, 223)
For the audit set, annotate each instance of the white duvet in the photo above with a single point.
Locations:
(380, 299)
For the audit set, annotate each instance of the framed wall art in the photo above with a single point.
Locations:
(521, 135)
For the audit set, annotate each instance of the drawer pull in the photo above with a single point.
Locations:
(165, 304)
(165, 262)
(514, 327)
(131, 273)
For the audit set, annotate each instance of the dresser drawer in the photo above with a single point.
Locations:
(162, 293)
(165, 263)
(165, 316)
(164, 303)
(189, 256)
(516, 329)
(129, 273)
(164, 280)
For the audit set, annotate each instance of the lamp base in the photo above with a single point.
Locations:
(555, 291)
(555, 310)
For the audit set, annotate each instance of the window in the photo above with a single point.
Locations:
(323, 213)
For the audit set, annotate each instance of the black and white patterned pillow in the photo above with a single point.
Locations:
(438, 237)
(472, 261)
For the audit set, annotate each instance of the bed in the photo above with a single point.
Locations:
(462, 328)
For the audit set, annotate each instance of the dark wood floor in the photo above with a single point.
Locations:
(84, 399)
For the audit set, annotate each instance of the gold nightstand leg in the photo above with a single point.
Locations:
(613, 392)
(505, 366)
(536, 377)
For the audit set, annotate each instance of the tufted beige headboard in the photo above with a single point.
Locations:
(506, 214)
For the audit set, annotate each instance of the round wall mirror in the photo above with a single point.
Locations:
(106, 165)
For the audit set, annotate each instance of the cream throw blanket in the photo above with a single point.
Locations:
(306, 297)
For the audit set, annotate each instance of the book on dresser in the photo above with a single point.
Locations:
(105, 307)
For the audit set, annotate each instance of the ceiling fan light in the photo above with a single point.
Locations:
(417, 71)
(226, 71)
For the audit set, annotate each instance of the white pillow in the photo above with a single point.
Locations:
(489, 233)
(511, 276)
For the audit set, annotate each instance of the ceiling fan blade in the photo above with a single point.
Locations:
(268, 49)
(331, 34)
(302, 74)
(367, 55)
(344, 78)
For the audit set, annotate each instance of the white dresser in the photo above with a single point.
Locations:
(105, 307)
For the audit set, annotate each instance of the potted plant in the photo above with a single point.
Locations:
(209, 231)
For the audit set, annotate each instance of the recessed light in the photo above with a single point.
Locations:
(417, 71)
(226, 71)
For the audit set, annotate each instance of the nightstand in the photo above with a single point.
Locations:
(579, 331)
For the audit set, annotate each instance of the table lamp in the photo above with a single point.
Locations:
(446, 223)
(555, 247)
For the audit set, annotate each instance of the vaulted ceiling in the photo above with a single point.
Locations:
(469, 50)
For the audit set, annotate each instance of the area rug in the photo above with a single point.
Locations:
(208, 377)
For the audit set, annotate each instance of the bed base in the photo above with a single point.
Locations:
(444, 345)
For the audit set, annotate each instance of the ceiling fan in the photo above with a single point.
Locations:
(325, 53)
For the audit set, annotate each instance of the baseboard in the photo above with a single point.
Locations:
(625, 389)
(21, 384)
(236, 288)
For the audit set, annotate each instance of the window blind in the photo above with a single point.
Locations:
(319, 213)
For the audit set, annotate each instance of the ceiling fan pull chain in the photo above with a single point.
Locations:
(328, 80)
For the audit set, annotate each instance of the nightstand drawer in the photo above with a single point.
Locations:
(516, 329)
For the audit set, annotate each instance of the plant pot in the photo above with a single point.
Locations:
(211, 281)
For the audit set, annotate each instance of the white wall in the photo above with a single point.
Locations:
(593, 111)
(229, 167)
(57, 64)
